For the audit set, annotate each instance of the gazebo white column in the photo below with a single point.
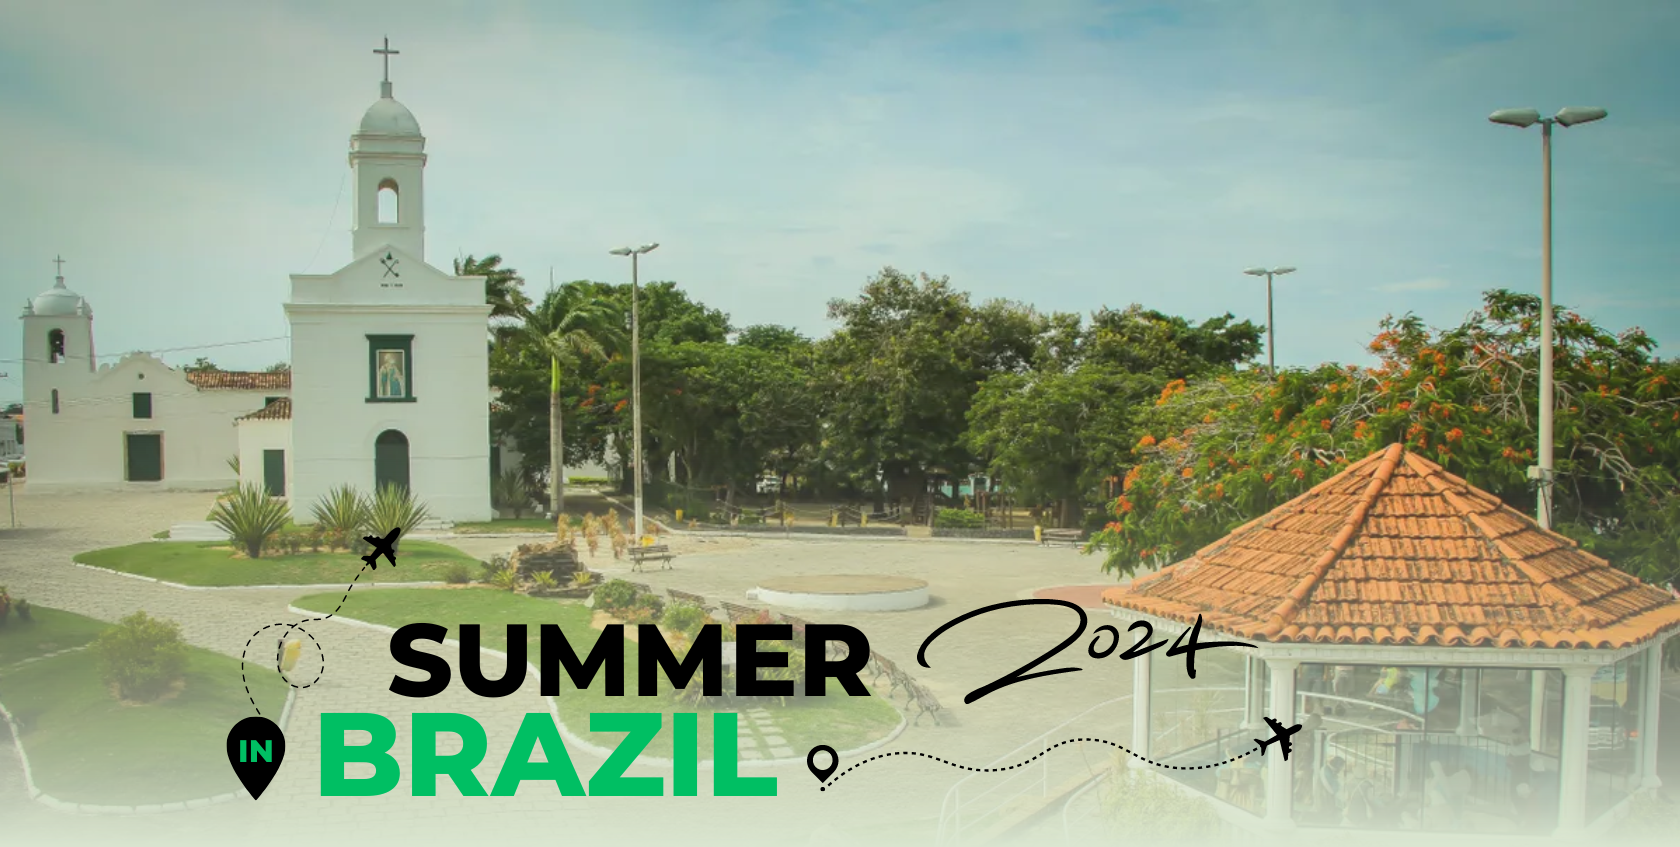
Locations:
(1280, 782)
(1469, 702)
(1537, 709)
(1254, 692)
(1649, 710)
(1140, 709)
(1572, 764)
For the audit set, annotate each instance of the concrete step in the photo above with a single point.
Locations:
(435, 525)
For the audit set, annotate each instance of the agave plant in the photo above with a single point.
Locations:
(544, 582)
(506, 579)
(511, 492)
(395, 507)
(341, 514)
(250, 518)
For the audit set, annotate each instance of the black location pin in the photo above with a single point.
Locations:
(255, 748)
(822, 773)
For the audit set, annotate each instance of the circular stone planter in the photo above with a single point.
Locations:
(843, 593)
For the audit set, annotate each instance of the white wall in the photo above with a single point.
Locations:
(9, 438)
(448, 425)
(84, 447)
(254, 437)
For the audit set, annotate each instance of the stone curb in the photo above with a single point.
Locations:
(576, 743)
(183, 587)
(51, 802)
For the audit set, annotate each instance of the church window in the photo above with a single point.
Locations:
(142, 404)
(387, 200)
(55, 401)
(55, 346)
(390, 368)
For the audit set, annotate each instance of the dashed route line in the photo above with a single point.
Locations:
(1045, 752)
(280, 646)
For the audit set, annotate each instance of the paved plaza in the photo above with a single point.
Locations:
(896, 799)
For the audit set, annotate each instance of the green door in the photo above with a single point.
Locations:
(390, 460)
(274, 472)
(145, 457)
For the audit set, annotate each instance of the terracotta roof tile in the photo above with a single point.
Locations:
(1395, 550)
(240, 380)
(279, 410)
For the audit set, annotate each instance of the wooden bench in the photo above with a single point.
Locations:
(683, 598)
(834, 650)
(924, 703)
(1061, 536)
(641, 588)
(656, 553)
(738, 614)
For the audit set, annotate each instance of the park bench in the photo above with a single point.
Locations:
(1061, 536)
(683, 598)
(656, 553)
(834, 650)
(641, 588)
(737, 614)
(924, 703)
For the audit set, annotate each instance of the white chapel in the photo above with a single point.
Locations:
(389, 380)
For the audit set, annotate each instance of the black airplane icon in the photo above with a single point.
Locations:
(382, 547)
(1281, 738)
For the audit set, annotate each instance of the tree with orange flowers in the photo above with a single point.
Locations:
(1222, 451)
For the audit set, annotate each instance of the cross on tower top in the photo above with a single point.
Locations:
(59, 261)
(386, 53)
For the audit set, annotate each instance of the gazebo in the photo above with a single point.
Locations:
(1454, 666)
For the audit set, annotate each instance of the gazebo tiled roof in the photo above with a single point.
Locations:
(1395, 550)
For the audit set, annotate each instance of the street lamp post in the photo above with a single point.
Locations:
(1271, 348)
(635, 254)
(1522, 119)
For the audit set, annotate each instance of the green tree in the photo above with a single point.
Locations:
(504, 288)
(1219, 452)
(201, 365)
(569, 323)
(901, 371)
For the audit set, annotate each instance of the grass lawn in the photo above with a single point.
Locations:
(512, 525)
(51, 632)
(840, 721)
(85, 747)
(213, 563)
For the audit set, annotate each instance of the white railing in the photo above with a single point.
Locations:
(967, 807)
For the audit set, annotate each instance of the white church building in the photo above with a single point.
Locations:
(389, 380)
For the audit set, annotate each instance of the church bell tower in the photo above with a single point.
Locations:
(388, 158)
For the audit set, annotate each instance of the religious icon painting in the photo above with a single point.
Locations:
(392, 379)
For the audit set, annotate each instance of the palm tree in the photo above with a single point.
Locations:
(571, 321)
(503, 287)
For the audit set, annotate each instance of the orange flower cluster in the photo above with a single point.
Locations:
(1146, 441)
(619, 407)
(1177, 386)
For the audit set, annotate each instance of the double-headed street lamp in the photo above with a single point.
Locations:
(1271, 349)
(1523, 119)
(635, 253)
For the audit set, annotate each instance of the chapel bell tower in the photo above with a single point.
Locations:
(388, 158)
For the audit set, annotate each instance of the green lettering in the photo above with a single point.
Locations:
(335, 754)
(685, 754)
(609, 780)
(726, 770)
(538, 728)
(428, 765)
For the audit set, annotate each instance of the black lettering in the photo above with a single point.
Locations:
(472, 668)
(1189, 650)
(653, 654)
(748, 660)
(819, 668)
(1115, 633)
(437, 667)
(1138, 649)
(1019, 674)
(607, 653)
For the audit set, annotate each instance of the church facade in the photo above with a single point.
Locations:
(389, 380)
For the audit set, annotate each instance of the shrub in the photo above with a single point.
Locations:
(25, 612)
(340, 515)
(496, 565)
(583, 579)
(506, 579)
(544, 582)
(457, 574)
(5, 605)
(685, 619)
(142, 657)
(511, 492)
(1142, 805)
(958, 519)
(395, 507)
(250, 517)
(616, 596)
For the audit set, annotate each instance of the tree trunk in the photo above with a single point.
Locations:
(1072, 513)
(556, 447)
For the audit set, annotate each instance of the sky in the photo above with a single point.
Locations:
(186, 157)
